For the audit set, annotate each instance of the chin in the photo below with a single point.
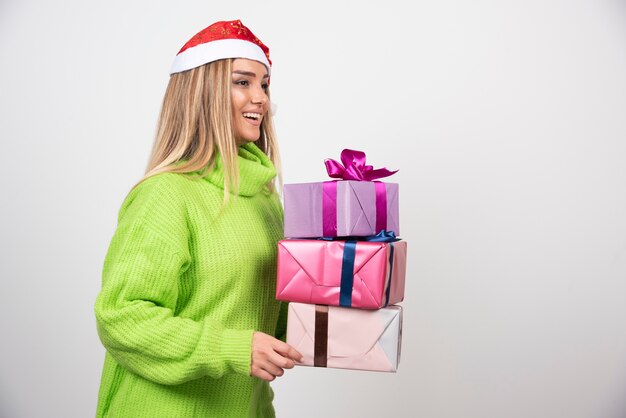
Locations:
(247, 140)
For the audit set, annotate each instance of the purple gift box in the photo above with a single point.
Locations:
(340, 208)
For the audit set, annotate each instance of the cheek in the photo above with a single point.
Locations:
(237, 99)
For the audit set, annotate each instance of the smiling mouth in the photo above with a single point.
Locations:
(252, 116)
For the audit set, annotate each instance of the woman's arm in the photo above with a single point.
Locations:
(136, 319)
(136, 308)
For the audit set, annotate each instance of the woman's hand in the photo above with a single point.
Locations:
(271, 356)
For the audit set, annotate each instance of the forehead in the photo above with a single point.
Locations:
(244, 64)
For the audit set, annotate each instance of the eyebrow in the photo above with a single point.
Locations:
(248, 73)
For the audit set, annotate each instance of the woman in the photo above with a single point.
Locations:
(187, 310)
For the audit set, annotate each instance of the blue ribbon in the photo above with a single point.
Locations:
(382, 236)
(388, 290)
(347, 273)
(347, 263)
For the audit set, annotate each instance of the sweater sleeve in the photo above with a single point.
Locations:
(136, 308)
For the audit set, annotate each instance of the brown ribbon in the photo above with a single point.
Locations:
(320, 355)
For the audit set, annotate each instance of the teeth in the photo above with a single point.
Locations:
(254, 116)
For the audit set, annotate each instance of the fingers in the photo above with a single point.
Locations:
(266, 371)
(271, 356)
(288, 351)
(262, 374)
(268, 367)
(281, 361)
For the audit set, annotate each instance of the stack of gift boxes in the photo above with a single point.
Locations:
(342, 268)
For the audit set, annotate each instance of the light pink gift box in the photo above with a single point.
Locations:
(357, 208)
(346, 338)
(310, 271)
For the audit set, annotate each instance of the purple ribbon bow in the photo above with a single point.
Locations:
(354, 167)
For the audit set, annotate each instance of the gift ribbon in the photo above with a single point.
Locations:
(329, 207)
(382, 236)
(388, 290)
(320, 348)
(347, 265)
(390, 237)
(353, 168)
(347, 273)
(381, 206)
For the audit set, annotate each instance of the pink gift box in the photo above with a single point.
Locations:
(340, 208)
(315, 271)
(346, 338)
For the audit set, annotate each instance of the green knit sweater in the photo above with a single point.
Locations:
(185, 284)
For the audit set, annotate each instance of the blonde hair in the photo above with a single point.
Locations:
(196, 124)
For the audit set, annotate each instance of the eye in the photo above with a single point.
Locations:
(243, 83)
(265, 86)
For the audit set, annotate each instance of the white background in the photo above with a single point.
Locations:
(506, 120)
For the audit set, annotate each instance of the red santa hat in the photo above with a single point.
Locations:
(221, 40)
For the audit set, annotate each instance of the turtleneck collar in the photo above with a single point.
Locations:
(255, 170)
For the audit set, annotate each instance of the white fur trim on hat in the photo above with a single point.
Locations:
(216, 50)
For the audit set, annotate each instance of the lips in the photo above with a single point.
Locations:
(253, 117)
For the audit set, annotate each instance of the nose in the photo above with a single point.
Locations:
(259, 96)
